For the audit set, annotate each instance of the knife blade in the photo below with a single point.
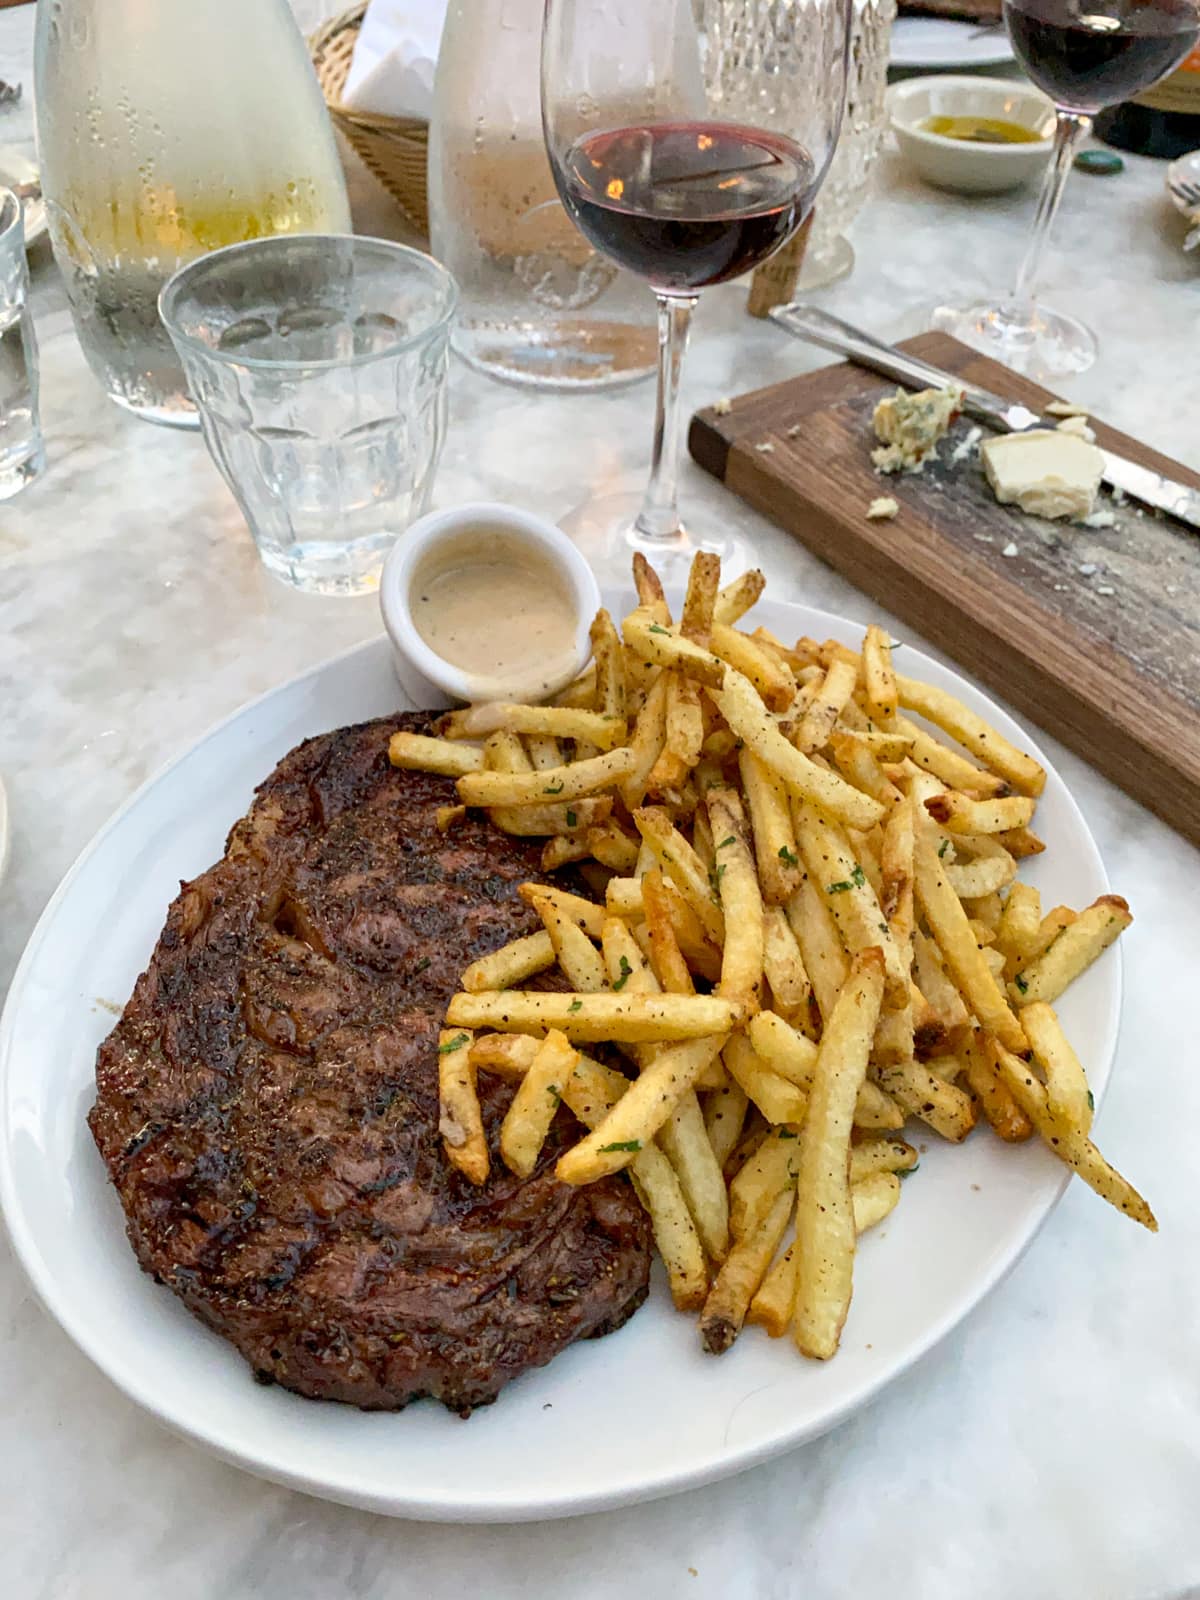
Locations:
(819, 327)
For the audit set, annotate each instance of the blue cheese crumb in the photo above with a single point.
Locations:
(883, 509)
(722, 408)
(765, 447)
(908, 427)
(1010, 549)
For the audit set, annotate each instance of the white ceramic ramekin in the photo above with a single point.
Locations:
(958, 164)
(432, 682)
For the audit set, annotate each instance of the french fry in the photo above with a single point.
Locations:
(594, 1018)
(666, 956)
(531, 1110)
(857, 763)
(738, 597)
(583, 913)
(1021, 842)
(774, 681)
(1071, 1146)
(580, 695)
(1066, 1082)
(873, 1199)
(749, 719)
(821, 717)
(610, 668)
(876, 1110)
(558, 722)
(447, 817)
(923, 1094)
(656, 643)
(418, 752)
(973, 733)
(879, 680)
(683, 867)
(1005, 1117)
(988, 870)
(820, 944)
(460, 1121)
(824, 1209)
(567, 822)
(935, 986)
(744, 1269)
(894, 1040)
(880, 1155)
(648, 585)
(567, 783)
(949, 765)
(699, 603)
(848, 893)
(949, 924)
(511, 964)
(649, 1101)
(506, 1055)
(724, 1117)
(544, 751)
(684, 1140)
(646, 742)
(779, 869)
(591, 1093)
(1049, 928)
(784, 1050)
(1076, 947)
(777, 1099)
(770, 1171)
(741, 899)
(897, 878)
(959, 814)
(612, 847)
(783, 965)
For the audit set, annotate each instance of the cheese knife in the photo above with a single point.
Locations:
(831, 333)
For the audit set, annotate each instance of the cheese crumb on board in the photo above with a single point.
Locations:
(1066, 408)
(965, 446)
(883, 509)
(722, 408)
(1078, 426)
(908, 427)
(1044, 472)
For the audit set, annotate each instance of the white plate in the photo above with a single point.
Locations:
(15, 168)
(622, 1419)
(942, 42)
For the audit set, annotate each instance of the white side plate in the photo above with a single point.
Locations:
(15, 168)
(942, 42)
(641, 1413)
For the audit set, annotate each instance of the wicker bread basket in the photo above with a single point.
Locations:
(395, 149)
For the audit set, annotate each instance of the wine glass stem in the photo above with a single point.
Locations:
(1071, 129)
(659, 516)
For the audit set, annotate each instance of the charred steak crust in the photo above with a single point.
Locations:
(267, 1105)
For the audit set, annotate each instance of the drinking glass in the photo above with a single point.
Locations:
(753, 47)
(1086, 55)
(318, 366)
(22, 457)
(661, 183)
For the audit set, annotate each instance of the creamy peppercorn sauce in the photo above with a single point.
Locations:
(494, 608)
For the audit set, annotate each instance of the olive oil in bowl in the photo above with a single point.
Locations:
(981, 130)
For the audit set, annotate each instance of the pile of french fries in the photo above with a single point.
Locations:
(807, 933)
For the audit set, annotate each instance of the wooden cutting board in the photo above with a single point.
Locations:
(1092, 632)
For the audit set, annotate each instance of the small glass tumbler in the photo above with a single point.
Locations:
(22, 455)
(318, 366)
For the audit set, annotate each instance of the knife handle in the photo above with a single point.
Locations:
(831, 333)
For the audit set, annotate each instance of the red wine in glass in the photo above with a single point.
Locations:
(687, 204)
(1087, 55)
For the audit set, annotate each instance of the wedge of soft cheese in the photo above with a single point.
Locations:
(1045, 472)
(908, 427)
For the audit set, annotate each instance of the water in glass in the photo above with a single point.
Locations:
(319, 367)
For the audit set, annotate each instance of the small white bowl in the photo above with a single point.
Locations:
(428, 679)
(962, 165)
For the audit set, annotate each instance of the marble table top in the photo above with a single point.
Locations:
(1051, 1446)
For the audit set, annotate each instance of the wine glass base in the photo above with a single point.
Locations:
(825, 266)
(607, 535)
(1029, 338)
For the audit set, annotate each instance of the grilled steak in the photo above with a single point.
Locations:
(267, 1106)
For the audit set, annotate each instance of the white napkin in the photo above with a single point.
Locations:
(395, 58)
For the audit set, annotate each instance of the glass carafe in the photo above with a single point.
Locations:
(167, 130)
(538, 305)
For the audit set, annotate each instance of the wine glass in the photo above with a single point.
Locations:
(681, 197)
(1086, 55)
